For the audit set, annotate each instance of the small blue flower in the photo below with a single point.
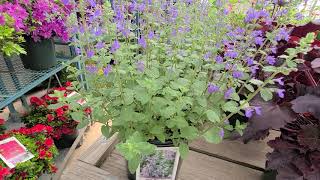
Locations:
(271, 60)
(248, 112)
(228, 93)
(107, 70)
(237, 74)
(231, 54)
(91, 69)
(279, 81)
(115, 46)
(219, 59)
(212, 88)
(258, 110)
(142, 42)
(221, 133)
(280, 92)
(90, 53)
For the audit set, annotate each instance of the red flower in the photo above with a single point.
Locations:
(60, 89)
(48, 142)
(4, 136)
(62, 118)
(88, 110)
(66, 130)
(4, 172)
(50, 117)
(36, 101)
(2, 121)
(68, 83)
(49, 154)
(59, 111)
(53, 168)
(42, 154)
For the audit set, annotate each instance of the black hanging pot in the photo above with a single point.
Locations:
(40, 55)
(158, 144)
(66, 140)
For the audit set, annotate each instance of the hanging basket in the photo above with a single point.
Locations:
(40, 55)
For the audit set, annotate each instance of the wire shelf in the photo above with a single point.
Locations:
(15, 80)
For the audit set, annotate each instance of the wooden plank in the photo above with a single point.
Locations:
(69, 154)
(199, 166)
(100, 150)
(252, 154)
(116, 165)
(86, 171)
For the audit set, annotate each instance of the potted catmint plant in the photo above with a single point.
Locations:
(166, 73)
(40, 21)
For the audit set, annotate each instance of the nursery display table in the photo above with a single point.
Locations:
(15, 80)
(230, 160)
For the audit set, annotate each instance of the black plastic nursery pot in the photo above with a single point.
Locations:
(40, 55)
(158, 144)
(66, 140)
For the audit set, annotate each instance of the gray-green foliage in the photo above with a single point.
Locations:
(161, 91)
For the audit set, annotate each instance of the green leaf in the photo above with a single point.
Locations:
(189, 132)
(266, 94)
(105, 130)
(212, 116)
(231, 106)
(133, 164)
(249, 87)
(177, 121)
(77, 116)
(142, 95)
(128, 96)
(184, 150)
(55, 106)
(82, 124)
(213, 135)
(256, 82)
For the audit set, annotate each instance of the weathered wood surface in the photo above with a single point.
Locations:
(99, 151)
(84, 171)
(251, 154)
(196, 167)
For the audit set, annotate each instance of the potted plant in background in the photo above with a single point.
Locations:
(173, 77)
(59, 118)
(12, 17)
(39, 143)
(40, 21)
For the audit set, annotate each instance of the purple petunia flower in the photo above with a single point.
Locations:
(237, 74)
(90, 53)
(219, 59)
(271, 60)
(107, 70)
(282, 35)
(140, 66)
(142, 42)
(212, 88)
(259, 40)
(91, 68)
(231, 54)
(115, 46)
(100, 45)
(280, 93)
(221, 133)
(279, 81)
(248, 112)
(228, 93)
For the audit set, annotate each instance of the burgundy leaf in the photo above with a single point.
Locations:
(302, 31)
(307, 104)
(289, 172)
(277, 159)
(309, 136)
(315, 63)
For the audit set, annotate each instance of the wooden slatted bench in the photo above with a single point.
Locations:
(230, 160)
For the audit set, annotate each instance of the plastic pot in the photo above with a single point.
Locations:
(40, 55)
(66, 140)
